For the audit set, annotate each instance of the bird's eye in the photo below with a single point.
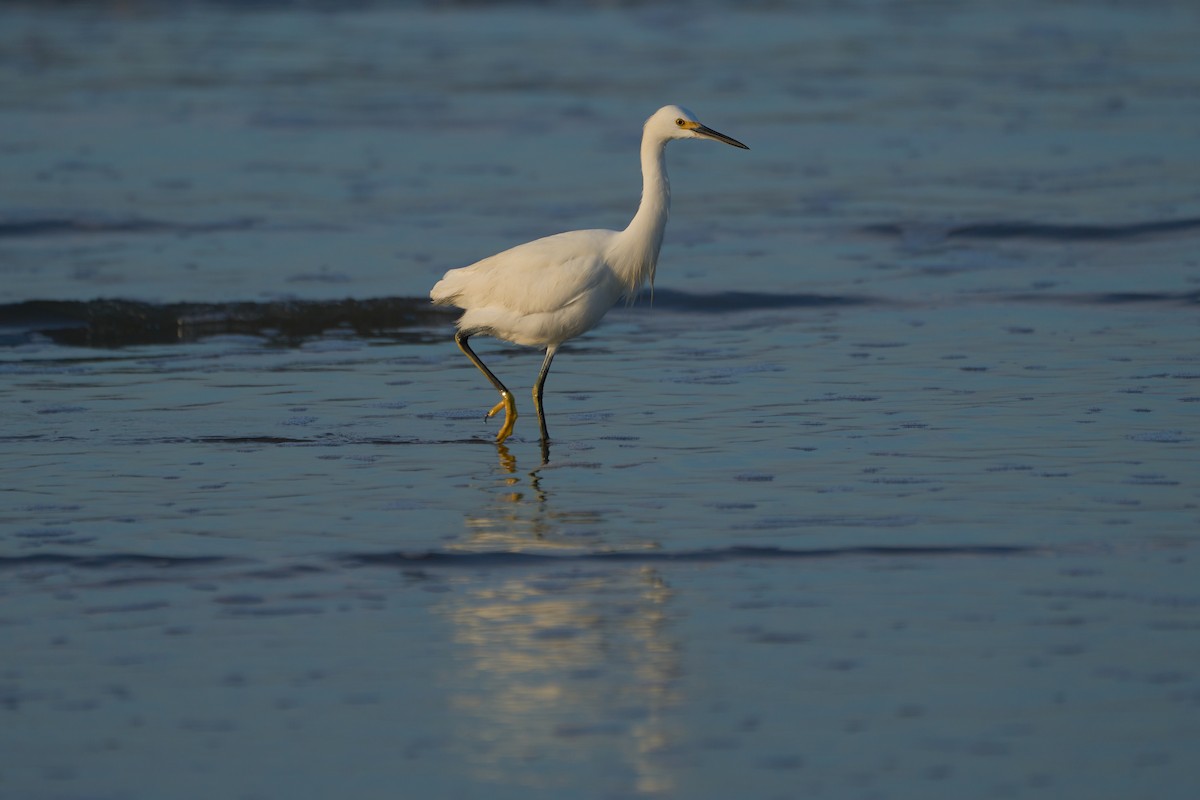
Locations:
(679, 122)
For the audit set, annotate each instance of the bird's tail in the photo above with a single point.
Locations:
(446, 291)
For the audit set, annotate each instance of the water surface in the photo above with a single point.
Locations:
(888, 490)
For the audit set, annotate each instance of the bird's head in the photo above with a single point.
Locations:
(676, 122)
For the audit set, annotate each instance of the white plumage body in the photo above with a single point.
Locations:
(540, 293)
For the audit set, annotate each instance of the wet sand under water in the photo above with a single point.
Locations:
(889, 491)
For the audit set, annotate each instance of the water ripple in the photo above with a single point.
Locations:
(58, 226)
(511, 558)
(717, 555)
(927, 234)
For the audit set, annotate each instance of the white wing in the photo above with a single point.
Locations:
(541, 276)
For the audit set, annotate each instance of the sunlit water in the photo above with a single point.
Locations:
(889, 490)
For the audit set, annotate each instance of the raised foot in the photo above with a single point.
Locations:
(510, 416)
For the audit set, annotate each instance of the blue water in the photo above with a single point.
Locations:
(888, 491)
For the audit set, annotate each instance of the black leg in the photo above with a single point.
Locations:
(538, 388)
(506, 398)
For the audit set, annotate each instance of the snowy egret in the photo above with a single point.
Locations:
(544, 292)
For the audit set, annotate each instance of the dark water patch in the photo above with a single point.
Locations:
(276, 611)
(323, 440)
(1160, 600)
(110, 561)
(838, 398)
(452, 414)
(228, 440)
(120, 570)
(1151, 479)
(118, 323)
(437, 558)
(126, 608)
(1074, 233)
(61, 409)
(924, 234)
(45, 533)
(63, 226)
(824, 521)
(283, 572)
(1167, 437)
(1111, 298)
(730, 302)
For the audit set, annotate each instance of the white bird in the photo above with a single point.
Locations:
(544, 292)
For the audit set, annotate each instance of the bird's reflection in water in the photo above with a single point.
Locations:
(520, 517)
(565, 664)
(508, 462)
(561, 669)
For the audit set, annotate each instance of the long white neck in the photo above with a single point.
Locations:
(638, 244)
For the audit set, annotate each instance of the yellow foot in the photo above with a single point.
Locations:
(510, 416)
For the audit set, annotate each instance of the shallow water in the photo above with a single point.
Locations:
(889, 490)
